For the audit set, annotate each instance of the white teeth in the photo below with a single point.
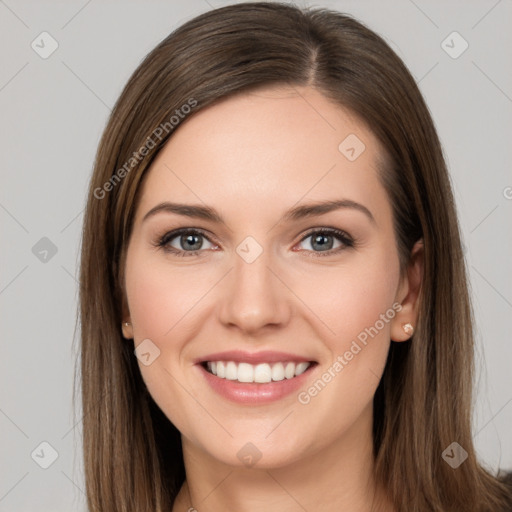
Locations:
(278, 372)
(221, 370)
(245, 372)
(260, 373)
(231, 371)
(301, 368)
(289, 371)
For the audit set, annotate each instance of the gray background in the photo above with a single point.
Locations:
(53, 113)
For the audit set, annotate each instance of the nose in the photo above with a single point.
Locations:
(255, 297)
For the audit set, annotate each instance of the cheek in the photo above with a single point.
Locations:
(161, 303)
(359, 309)
(159, 298)
(352, 299)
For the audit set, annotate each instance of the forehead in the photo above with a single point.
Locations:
(271, 147)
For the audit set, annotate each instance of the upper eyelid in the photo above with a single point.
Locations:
(173, 233)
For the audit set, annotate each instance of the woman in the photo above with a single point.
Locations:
(314, 349)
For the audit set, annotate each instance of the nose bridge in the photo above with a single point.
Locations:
(255, 297)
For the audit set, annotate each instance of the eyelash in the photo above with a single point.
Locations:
(343, 237)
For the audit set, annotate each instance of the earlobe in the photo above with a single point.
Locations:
(401, 331)
(127, 329)
(126, 326)
(402, 326)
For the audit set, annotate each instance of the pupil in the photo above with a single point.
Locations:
(318, 239)
(190, 241)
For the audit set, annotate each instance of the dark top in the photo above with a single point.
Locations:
(507, 479)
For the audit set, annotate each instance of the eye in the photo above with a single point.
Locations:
(189, 242)
(322, 239)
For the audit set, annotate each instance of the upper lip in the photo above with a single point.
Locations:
(267, 356)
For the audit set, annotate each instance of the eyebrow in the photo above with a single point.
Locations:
(296, 213)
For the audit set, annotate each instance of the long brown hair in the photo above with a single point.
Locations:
(132, 453)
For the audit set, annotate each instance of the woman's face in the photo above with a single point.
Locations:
(268, 280)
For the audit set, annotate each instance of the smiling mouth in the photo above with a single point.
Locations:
(257, 373)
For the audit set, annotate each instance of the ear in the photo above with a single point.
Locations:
(126, 323)
(407, 294)
(127, 329)
(126, 326)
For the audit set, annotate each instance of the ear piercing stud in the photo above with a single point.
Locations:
(127, 324)
(408, 328)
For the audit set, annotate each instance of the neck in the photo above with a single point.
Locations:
(339, 477)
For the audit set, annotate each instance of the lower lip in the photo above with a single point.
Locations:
(255, 393)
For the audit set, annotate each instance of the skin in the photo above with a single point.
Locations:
(252, 157)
